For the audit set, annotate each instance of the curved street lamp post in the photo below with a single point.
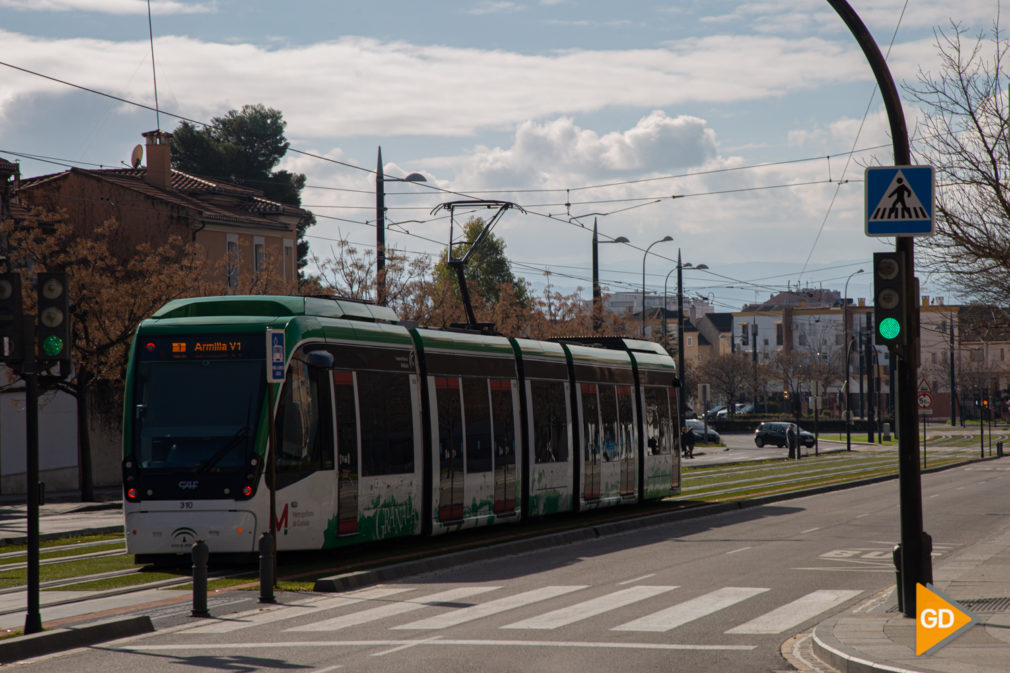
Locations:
(845, 340)
(646, 254)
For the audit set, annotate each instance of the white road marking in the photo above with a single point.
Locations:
(406, 646)
(435, 642)
(688, 611)
(267, 616)
(392, 609)
(809, 530)
(737, 551)
(328, 669)
(795, 613)
(590, 608)
(491, 607)
(637, 579)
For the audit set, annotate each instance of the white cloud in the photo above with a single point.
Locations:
(490, 7)
(364, 86)
(160, 7)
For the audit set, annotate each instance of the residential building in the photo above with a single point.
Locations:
(232, 223)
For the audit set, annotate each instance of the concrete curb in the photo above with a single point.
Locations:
(831, 651)
(66, 638)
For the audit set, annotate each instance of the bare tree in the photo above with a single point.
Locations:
(727, 374)
(965, 135)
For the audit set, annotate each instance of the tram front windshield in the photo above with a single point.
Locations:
(197, 404)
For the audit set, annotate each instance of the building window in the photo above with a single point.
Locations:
(690, 341)
(259, 255)
(778, 334)
(232, 260)
(289, 259)
(744, 336)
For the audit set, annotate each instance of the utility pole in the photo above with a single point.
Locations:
(953, 386)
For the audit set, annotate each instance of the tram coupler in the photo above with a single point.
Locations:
(201, 555)
(266, 545)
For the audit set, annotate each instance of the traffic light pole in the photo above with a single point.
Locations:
(915, 560)
(33, 617)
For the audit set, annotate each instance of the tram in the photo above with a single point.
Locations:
(380, 428)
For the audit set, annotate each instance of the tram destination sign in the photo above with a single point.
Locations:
(201, 347)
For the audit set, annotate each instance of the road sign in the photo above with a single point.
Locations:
(925, 401)
(899, 200)
(276, 356)
(939, 619)
(924, 387)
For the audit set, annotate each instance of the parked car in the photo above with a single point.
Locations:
(711, 414)
(699, 428)
(741, 408)
(775, 433)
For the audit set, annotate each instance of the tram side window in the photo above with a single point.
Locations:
(608, 411)
(387, 423)
(504, 428)
(304, 433)
(550, 421)
(590, 423)
(477, 409)
(625, 419)
(347, 426)
(658, 428)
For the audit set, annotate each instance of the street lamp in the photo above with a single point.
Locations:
(380, 226)
(845, 339)
(662, 240)
(597, 295)
(680, 328)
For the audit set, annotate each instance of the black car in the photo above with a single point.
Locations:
(775, 433)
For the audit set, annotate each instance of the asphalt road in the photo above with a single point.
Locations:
(715, 593)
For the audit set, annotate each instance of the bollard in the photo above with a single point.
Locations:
(201, 554)
(266, 545)
(896, 557)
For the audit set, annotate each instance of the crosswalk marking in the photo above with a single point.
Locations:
(393, 609)
(267, 616)
(590, 608)
(795, 613)
(688, 611)
(455, 617)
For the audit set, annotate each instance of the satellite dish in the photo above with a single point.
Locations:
(137, 156)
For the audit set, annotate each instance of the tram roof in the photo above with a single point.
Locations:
(274, 307)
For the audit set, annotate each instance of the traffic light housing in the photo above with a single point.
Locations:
(889, 299)
(53, 318)
(11, 318)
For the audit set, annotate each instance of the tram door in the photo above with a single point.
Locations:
(626, 440)
(450, 449)
(503, 418)
(590, 442)
(347, 453)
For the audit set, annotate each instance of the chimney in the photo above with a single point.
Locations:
(159, 159)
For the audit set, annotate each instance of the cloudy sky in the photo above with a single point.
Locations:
(741, 129)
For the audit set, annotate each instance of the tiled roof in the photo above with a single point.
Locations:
(247, 206)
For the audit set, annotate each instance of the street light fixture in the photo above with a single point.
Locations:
(380, 226)
(646, 254)
(597, 295)
(845, 339)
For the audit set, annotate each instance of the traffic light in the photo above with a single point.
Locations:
(54, 318)
(889, 299)
(11, 318)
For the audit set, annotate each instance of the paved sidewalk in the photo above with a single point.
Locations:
(874, 636)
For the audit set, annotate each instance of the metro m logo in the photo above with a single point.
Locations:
(282, 520)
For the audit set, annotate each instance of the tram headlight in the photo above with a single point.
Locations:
(132, 494)
(247, 490)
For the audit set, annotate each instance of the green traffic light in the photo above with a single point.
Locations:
(52, 345)
(889, 328)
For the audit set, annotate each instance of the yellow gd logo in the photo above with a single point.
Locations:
(938, 619)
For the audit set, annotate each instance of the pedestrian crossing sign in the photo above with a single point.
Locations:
(899, 200)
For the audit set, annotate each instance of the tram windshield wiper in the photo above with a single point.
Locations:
(232, 442)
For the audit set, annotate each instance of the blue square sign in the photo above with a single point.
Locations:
(899, 201)
(276, 356)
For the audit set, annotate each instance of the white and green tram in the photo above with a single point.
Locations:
(381, 429)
